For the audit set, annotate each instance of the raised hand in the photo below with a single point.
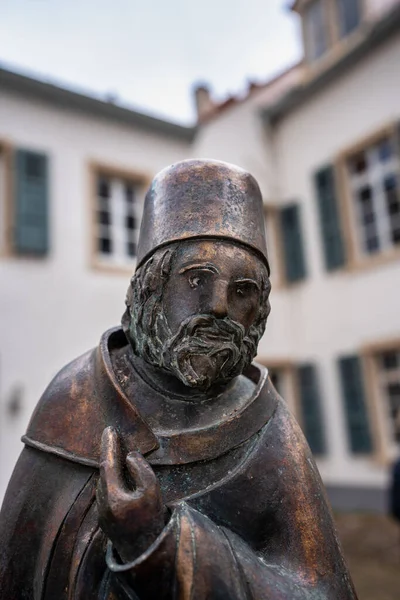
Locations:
(131, 513)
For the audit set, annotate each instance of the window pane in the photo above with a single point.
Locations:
(358, 164)
(105, 246)
(130, 222)
(385, 149)
(103, 187)
(131, 249)
(130, 193)
(104, 217)
(393, 206)
(349, 15)
(368, 220)
(315, 29)
(389, 360)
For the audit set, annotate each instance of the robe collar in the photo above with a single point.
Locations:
(85, 397)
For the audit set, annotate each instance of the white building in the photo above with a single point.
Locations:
(324, 143)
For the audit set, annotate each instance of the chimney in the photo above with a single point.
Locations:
(204, 105)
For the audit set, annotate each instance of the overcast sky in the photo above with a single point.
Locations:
(148, 53)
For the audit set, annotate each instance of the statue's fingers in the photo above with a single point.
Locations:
(111, 469)
(142, 474)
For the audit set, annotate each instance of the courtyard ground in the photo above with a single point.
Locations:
(371, 544)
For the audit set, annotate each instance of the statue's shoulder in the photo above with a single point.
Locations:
(80, 402)
(67, 412)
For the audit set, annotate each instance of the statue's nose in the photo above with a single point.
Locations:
(219, 299)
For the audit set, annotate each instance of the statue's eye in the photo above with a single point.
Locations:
(194, 281)
(244, 288)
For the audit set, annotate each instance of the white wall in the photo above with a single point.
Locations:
(327, 315)
(334, 314)
(54, 309)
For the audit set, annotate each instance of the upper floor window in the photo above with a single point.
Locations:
(373, 174)
(117, 218)
(348, 15)
(326, 22)
(315, 29)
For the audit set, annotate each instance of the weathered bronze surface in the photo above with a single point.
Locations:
(163, 464)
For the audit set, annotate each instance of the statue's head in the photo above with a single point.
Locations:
(198, 303)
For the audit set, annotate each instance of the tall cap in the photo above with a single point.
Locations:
(195, 199)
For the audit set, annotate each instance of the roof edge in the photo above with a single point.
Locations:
(377, 35)
(76, 101)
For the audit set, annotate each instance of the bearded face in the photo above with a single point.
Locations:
(200, 320)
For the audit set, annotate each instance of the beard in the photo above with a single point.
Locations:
(204, 351)
(207, 351)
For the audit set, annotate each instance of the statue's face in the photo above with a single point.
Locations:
(198, 309)
(210, 301)
(213, 278)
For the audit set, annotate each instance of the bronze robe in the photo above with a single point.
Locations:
(248, 513)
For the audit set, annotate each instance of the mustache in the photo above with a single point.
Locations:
(209, 333)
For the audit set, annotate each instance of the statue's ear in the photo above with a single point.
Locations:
(166, 262)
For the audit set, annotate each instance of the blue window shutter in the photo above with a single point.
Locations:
(295, 267)
(329, 217)
(31, 235)
(354, 403)
(312, 421)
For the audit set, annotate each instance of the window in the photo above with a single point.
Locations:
(388, 364)
(326, 23)
(315, 29)
(373, 175)
(299, 387)
(117, 219)
(281, 379)
(2, 202)
(348, 16)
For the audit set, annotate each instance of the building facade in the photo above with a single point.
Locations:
(322, 139)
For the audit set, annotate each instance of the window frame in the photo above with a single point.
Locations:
(356, 260)
(139, 178)
(6, 237)
(370, 353)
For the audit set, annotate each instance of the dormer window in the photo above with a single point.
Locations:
(349, 15)
(315, 29)
(326, 23)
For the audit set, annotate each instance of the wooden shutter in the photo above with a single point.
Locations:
(292, 242)
(354, 404)
(31, 203)
(311, 413)
(329, 218)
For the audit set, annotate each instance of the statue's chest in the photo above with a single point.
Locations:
(182, 481)
(232, 490)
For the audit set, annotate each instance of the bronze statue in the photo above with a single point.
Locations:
(163, 464)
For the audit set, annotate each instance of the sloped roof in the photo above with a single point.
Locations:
(72, 100)
(378, 33)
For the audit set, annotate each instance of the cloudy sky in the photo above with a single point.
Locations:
(148, 53)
